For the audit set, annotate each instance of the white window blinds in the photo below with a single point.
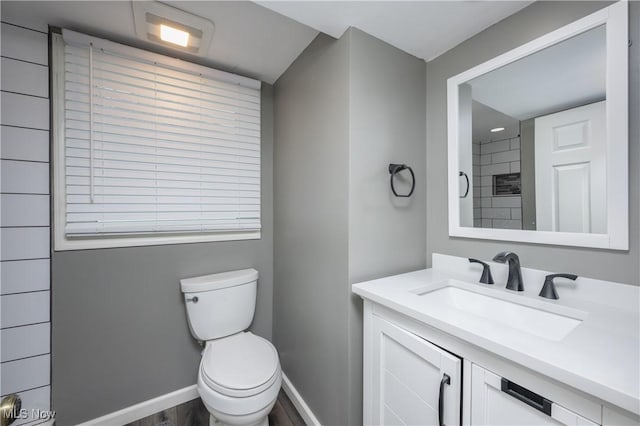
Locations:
(156, 145)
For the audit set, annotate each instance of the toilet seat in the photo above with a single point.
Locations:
(240, 365)
(239, 378)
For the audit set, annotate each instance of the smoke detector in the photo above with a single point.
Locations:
(171, 27)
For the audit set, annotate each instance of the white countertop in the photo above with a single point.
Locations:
(601, 356)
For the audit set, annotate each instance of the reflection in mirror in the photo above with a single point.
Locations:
(532, 141)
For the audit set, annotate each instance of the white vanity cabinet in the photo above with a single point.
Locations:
(504, 367)
(496, 401)
(411, 381)
(403, 383)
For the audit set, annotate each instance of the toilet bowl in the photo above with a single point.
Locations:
(239, 376)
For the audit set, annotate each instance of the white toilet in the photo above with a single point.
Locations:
(239, 375)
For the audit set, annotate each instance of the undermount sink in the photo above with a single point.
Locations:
(499, 309)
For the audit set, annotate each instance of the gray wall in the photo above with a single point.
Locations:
(387, 125)
(531, 22)
(120, 333)
(528, 174)
(345, 109)
(311, 165)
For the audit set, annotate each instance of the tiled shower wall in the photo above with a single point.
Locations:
(489, 159)
(24, 217)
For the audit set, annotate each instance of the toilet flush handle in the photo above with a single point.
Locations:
(193, 299)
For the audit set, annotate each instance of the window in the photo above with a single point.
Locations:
(150, 149)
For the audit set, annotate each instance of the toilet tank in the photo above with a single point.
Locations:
(219, 305)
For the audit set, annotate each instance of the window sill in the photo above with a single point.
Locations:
(64, 244)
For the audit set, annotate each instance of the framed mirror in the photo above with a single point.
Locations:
(538, 139)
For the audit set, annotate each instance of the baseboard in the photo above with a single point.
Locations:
(163, 402)
(146, 408)
(302, 407)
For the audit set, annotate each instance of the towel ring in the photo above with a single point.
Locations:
(467, 179)
(395, 169)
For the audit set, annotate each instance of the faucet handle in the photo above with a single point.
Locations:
(549, 289)
(486, 277)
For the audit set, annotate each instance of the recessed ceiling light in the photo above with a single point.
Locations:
(497, 129)
(174, 35)
(171, 27)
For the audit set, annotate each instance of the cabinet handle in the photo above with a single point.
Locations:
(445, 381)
(525, 395)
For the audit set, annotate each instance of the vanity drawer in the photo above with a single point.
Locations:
(497, 401)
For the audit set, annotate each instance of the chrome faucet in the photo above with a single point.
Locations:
(514, 282)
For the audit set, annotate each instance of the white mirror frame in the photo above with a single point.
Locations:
(615, 17)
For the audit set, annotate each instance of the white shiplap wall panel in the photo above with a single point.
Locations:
(24, 309)
(24, 342)
(25, 77)
(24, 210)
(17, 143)
(24, 177)
(22, 276)
(24, 111)
(24, 44)
(24, 243)
(24, 374)
(24, 224)
(25, 21)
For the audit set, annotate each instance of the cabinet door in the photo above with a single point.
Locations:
(407, 374)
(491, 406)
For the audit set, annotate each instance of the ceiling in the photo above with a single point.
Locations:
(565, 75)
(425, 29)
(248, 39)
(257, 42)
(485, 119)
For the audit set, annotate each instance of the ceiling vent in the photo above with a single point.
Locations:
(167, 26)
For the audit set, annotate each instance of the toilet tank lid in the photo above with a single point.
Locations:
(218, 281)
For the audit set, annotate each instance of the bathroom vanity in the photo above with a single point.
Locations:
(441, 348)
